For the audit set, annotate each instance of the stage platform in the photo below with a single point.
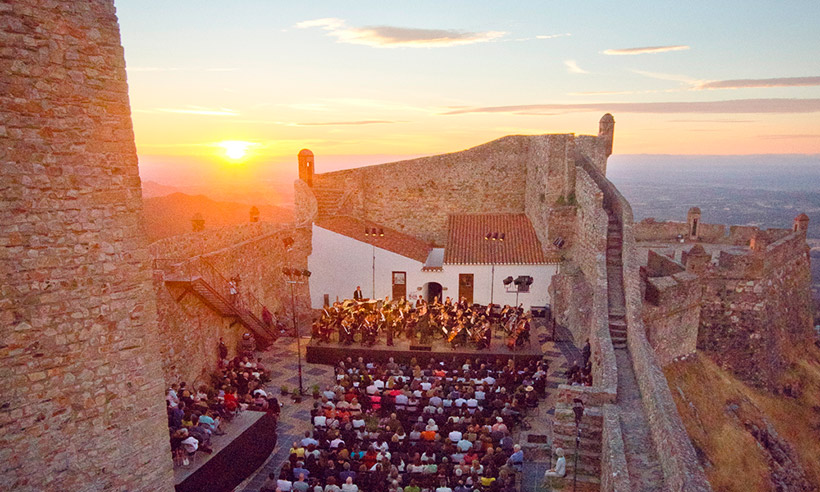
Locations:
(332, 353)
(248, 441)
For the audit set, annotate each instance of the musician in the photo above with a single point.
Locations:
(357, 294)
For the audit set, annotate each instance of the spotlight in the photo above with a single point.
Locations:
(558, 242)
(508, 280)
(518, 281)
(488, 236)
(529, 281)
(306, 273)
(381, 232)
(288, 242)
(503, 235)
(366, 231)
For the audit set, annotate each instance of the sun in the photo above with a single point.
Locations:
(235, 149)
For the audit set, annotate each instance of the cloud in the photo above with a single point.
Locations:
(200, 111)
(644, 50)
(712, 121)
(394, 37)
(670, 107)
(341, 123)
(759, 83)
(552, 36)
(572, 67)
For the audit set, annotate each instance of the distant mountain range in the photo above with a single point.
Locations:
(171, 214)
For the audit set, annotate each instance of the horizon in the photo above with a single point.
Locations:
(235, 87)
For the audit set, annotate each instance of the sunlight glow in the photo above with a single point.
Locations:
(235, 149)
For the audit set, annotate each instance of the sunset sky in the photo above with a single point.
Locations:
(259, 80)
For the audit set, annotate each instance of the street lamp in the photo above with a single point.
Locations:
(494, 238)
(374, 233)
(296, 276)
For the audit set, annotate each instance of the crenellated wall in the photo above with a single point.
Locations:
(82, 406)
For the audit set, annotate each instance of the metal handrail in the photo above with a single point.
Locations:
(244, 303)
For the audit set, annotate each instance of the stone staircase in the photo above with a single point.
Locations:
(565, 433)
(328, 200)
(614, 270)
(645, 472)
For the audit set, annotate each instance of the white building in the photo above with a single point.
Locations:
(349, 252)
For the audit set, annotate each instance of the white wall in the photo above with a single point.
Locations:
(339, 263)
(482, 274)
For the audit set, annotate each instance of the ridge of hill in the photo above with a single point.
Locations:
(171, 215)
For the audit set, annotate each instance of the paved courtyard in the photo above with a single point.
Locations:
(295, 418)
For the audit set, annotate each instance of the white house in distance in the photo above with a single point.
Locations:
(482, 250)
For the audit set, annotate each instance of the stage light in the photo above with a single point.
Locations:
(488, 236)
(501, 238)
(529, 280)
(288, 242)
(518, 281)
(508, 280)
(366, 231)
(558, 242)
(381, 232)
(306, 273)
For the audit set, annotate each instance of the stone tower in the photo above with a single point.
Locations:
(306, 166)
(801, 223)
(606, 132)
(693, 219)
(82, 404)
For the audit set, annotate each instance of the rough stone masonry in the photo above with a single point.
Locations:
(81, 405)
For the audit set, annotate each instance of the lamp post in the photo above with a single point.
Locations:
(578, 409)
(374, 233)
(494, 238)
(296, 276)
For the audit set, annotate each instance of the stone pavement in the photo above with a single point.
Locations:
(295, 418)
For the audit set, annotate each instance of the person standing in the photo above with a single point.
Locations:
(357, 294)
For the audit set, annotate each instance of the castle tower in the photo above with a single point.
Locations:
(306, 166)
(693, 219)
(801, 223)
(254, 214)
(82, 404)
(606, 133)
(697, 259)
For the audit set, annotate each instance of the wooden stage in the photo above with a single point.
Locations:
(402, 351)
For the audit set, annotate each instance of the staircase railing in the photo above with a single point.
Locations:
(244, 304)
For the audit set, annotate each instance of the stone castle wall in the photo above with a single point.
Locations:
(190, 328)
(82, 406)
(756, 307)
(681, 468)
(417, 195)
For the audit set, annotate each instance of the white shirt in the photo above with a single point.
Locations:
(319, 421)
(454, 436)
(284, 485)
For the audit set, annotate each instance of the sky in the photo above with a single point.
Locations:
(222, 87)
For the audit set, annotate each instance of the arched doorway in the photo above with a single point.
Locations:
(431, 290)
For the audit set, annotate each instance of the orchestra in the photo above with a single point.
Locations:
(459, 324)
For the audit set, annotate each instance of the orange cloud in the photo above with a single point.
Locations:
(760, 83)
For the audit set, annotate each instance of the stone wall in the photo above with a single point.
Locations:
(191, 329)
(755, 306)
(681, 468)
(198, 243)
(671, 315)
(82, 406)
(415, 196)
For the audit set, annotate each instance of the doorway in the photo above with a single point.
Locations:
(465, 287)
(432, 290)
(399, 285)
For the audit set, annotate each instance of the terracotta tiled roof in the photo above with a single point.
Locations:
(466, 243)
(393, 240)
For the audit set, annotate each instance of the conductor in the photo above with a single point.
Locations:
(357, 294)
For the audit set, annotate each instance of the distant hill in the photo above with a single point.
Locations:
(151, 189)
(171, 215)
